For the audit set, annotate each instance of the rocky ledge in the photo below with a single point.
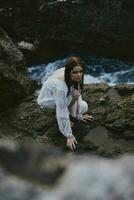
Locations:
(111, 132)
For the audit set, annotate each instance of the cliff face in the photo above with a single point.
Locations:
(103, 27)
(14, 85)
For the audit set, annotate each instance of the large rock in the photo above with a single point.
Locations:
(104, 28)
(61, 176)
(110, 133)
(14, 84)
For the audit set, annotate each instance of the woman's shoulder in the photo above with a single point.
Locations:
(58, 74)
(57, 79)
(58, 84)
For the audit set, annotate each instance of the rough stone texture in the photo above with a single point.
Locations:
(61, 176)
(14, 84)
(125, 90)
(109, 134)
(9, 51)
(103, 27)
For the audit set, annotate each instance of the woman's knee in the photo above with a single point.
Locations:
(83, 107)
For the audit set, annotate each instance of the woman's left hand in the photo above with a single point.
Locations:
(71, 142)
(85, 118)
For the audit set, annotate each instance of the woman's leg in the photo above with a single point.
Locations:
(73, 110)
(79, 107)
(83, 107)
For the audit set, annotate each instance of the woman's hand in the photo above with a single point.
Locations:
(75, 94)
(85, 118)
(71, 142)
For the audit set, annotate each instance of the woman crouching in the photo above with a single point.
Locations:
(62, 91)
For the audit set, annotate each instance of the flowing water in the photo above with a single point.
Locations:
(97, 69)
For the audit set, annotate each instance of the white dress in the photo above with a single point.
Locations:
(53, 94)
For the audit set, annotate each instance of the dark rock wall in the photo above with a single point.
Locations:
(14, 84)
(103, 27)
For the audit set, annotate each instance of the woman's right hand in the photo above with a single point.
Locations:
(71, 142)
(75, 94)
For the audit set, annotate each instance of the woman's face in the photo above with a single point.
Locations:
(76, 74)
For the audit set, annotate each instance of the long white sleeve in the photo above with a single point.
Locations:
(62, 112)
(45, 98)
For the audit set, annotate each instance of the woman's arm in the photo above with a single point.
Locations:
(63, 119)
(62, 113)
(75, 95)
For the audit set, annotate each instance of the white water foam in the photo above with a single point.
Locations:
(40, 73)
(91, 79)
(117, 77)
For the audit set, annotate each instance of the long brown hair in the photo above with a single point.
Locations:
(69, 65)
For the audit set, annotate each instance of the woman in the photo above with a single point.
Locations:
(62, 91)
